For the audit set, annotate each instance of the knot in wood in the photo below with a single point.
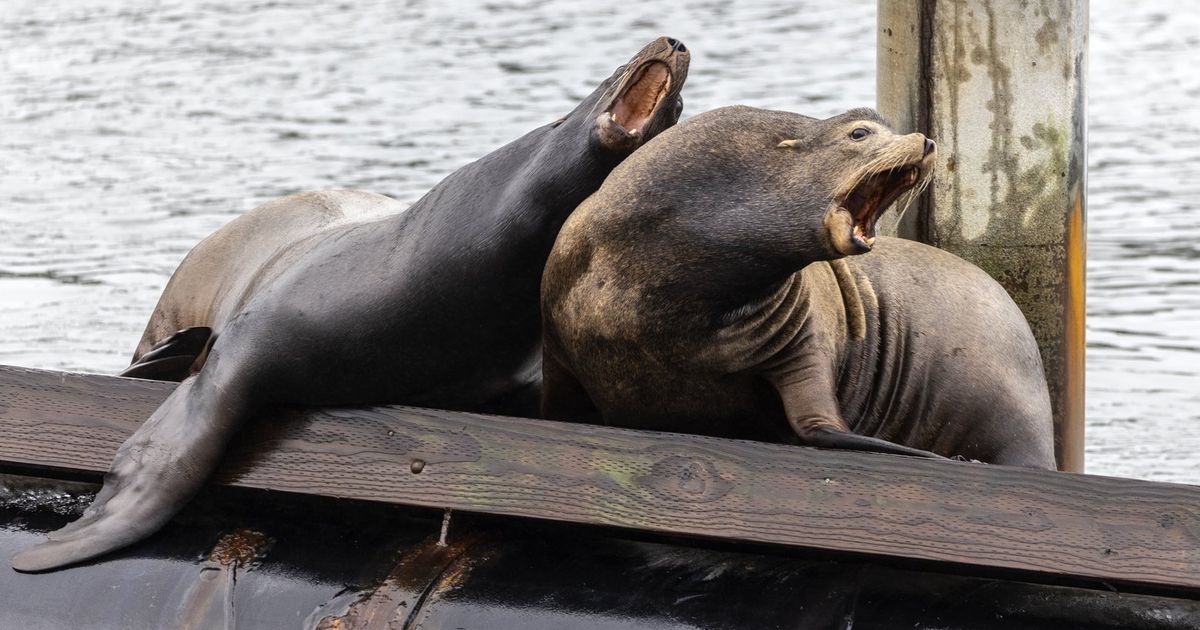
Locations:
(684, 478)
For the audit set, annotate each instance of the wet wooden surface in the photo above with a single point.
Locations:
(1120, 531)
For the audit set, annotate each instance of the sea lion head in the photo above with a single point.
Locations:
(637, 102)
(858, 166)
(758, 193)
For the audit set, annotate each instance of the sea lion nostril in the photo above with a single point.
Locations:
(676, 45)
(929, 145)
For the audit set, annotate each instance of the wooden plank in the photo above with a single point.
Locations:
(1121, 531)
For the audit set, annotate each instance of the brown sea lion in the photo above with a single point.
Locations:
(715, 285)
(433, 306)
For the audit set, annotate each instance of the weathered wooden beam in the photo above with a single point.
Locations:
(270, 560)
(1001, 87)
(1120, 531)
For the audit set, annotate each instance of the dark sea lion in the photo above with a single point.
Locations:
(436, 306)
(713, 285)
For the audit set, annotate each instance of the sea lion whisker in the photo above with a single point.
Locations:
(872, 168)
(912, 195)
(909, 197)
(894, 156)
(852, 182)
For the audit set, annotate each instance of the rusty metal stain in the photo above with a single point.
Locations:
(242, 548)
(453, 576)
(209, 601)
(1072, 427)
(393, 604)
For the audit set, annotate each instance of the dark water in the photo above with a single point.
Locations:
(130, 129)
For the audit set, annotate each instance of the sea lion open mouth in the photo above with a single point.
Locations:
(641, 98)
(867, 200)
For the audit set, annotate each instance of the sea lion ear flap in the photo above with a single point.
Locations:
(788, 144)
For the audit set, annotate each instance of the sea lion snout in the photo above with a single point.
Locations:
(891, 165)
(645, 98)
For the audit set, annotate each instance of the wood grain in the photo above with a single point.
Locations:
(1122, 531)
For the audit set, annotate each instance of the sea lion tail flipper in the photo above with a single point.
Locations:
(153, 475)
(171, 359)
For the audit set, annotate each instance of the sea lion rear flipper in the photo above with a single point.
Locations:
(154, 473)
(164, 369)
(171, 358)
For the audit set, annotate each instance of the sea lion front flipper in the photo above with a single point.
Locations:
(826, 437)
(809, 398)
(153, 475)
(164, 369)
(171, 359)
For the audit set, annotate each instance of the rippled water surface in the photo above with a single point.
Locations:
(130, 129)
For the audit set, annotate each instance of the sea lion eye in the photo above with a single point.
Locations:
(860, 133)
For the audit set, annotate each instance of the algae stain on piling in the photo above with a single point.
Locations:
(1002, 91)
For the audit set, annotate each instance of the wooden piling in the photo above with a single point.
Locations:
(1000, 87)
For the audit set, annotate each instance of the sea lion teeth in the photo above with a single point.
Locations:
(861, 237)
